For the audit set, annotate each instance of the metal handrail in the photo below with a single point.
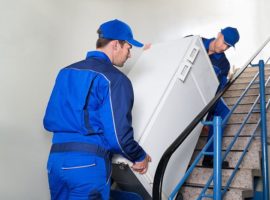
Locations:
(233, 141)
(203, 151)
(262, 121)
(265, 174)
(237, 133)
(160, 171)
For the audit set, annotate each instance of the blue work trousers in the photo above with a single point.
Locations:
(220, 109)
(75, 175)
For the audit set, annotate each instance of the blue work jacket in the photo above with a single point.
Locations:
(91, 102)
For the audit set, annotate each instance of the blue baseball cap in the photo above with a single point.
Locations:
(118, 30)
(231, 35)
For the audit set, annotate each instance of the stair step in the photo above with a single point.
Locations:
(230, 101)
(243, 86)
(248, 73)
(258, 132)
(238, 93)
(256, 69)
(243, 178)
(239, 118)
(251, 160)
(247, 80)
(231, 129)
(240, 109)
(239, 145)
(192, 193)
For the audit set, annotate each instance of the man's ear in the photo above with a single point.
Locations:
(114, 44)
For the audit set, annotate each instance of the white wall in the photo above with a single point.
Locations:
(38, 37)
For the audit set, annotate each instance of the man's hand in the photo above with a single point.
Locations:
(141, 167)
(147, 46)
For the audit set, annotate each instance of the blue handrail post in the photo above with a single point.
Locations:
(263, 133)
(217, 123)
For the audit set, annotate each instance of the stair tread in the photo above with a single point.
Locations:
(230, 101)
(243, 178)
(241, 80)
(250, 161)
(240, 143)
(231, 129)
(239, 92)
(192, 193)
(244, 109)
(242, 86)
(249, 73)
(256, 69)
(239, 118)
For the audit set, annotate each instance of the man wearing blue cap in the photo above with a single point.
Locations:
(89, 113)
(215, 48)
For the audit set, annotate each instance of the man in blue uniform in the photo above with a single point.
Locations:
(89, 113)
(215, 48)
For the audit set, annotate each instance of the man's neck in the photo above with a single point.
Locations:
(107, 52)
(211, 49)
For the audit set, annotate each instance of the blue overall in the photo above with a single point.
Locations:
(222, 67)
(89, 113)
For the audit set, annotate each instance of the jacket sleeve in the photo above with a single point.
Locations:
(224, 66)
(117, 120)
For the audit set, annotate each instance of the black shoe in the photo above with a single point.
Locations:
(225, 164)
(208, 162)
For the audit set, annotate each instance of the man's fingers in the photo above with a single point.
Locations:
(141, 167)
(149, 159)
(143, 171)
(139, 170)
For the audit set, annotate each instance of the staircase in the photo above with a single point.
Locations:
(242, 185)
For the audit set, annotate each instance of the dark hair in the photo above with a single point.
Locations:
(102, 42)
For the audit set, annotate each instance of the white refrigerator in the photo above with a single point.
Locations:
(172, 81)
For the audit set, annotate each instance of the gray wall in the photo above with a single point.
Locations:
(38, 37)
